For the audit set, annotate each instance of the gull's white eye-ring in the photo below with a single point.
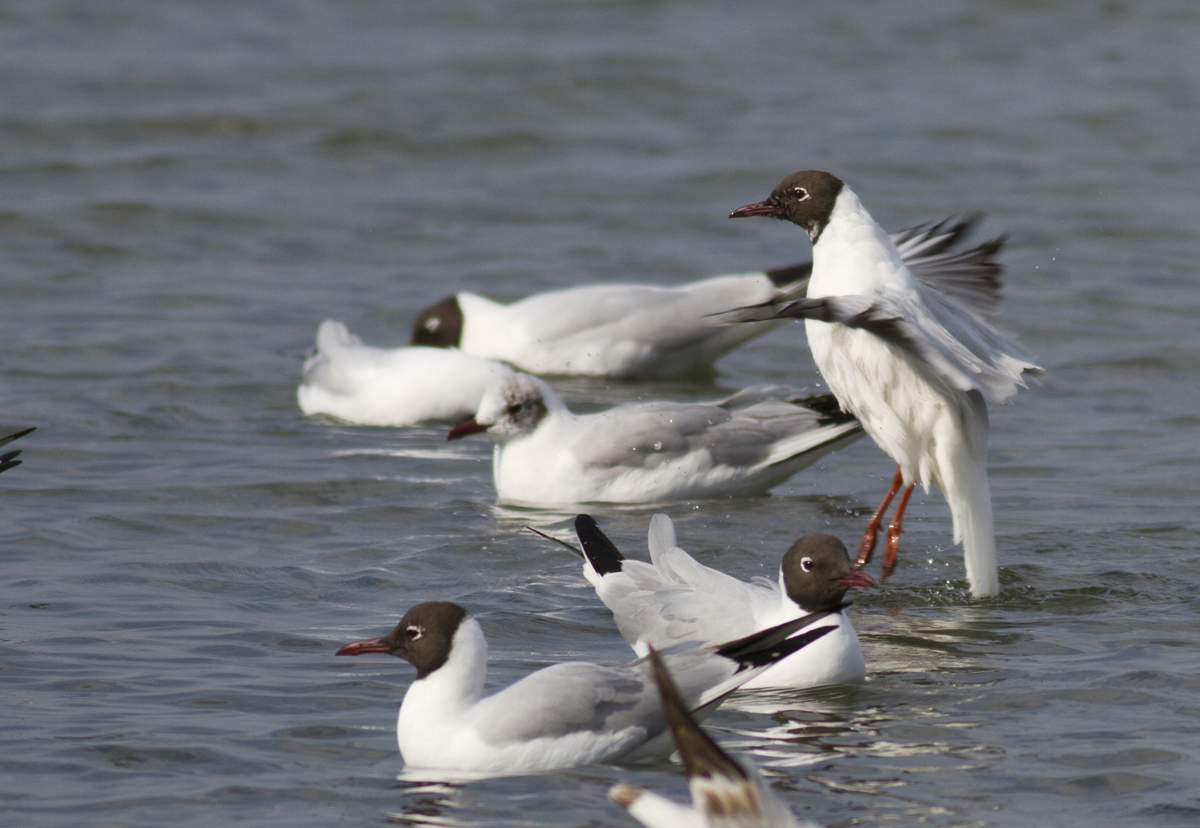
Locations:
(801, 194)
(806, 564)
(414, 633)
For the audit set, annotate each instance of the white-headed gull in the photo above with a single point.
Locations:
(725, 794)
(631, 330)
(676, 598)
(562, 716)
(649, 452)
(9, 459)
(391, 387)
(913, 360)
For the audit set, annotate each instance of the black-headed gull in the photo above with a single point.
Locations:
(676, 598)
(562, 716)
(914, 361)
(391, 386)
(725, 794)
(9, 459)
(631, 330)
(649, 452)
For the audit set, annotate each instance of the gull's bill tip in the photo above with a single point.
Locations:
(465, 429)
(759, 208)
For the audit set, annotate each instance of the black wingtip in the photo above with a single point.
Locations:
(554, 540)
(4, 441)
(776, 643)
(600, 551)
(790, 275)
(827, 406)
(8, 461)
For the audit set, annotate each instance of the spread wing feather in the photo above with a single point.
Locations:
(962, 349)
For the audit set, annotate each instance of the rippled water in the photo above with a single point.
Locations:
(188, 188)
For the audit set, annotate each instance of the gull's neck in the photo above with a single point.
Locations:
(788, 608)
(853, 254)
(452, 688)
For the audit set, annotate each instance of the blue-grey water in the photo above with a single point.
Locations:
(188, 188)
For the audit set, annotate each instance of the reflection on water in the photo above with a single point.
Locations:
(430, 798)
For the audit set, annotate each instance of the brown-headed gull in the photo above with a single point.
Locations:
(676, 598)
(562, 716)
(915, 361)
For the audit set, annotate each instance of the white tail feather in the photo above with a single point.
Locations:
(661, 537)
(971, 506)
(962, 467)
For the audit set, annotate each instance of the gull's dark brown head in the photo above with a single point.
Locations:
(423, 637)
(817, 572)
(804, 198)
(439, 326)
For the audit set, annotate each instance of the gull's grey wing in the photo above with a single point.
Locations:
(632, 315)
(620, 705)
(971, 276)
(674, 598)
(645, 435)
(958, 345)
(934, 237)
(761, 433)
(648, 435)
(574, 697)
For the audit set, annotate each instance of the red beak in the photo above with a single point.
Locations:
(367, 645)
(855, 579)
(761, 208)
(464, 429)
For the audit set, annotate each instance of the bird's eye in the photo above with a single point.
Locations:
(414, 633)
(516, 408)
(806, 564)
(432, 324)
(801, 194)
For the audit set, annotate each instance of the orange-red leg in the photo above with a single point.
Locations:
(866, 547)
(892, 545)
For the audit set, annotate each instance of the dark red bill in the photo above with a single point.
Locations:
(761, 208)
(464, 429)
(367, 645)
(858, 579)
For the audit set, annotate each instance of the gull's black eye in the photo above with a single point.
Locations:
(516, 408)
(806, 564)
(801, 194)
(414, 633)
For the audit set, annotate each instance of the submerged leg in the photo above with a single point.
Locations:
(892, 545)
(866, 547)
